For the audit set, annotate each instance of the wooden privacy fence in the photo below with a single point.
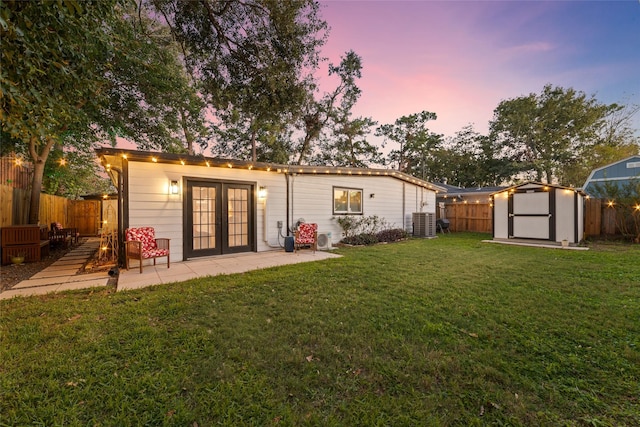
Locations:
(475, 217)
(600, 219)
(14, 172)
(84, 215)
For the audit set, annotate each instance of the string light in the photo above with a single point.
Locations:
(154, 159)
(63, 162)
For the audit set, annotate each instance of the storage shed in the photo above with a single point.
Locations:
(537, 211)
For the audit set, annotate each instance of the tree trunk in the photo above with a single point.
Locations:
(39, 161)
(187, 135)
(254, 152)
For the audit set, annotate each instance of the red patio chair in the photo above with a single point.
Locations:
(141, 243)
(307, 234)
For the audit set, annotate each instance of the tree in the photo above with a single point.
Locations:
(52, 68)
(347, 144)
(73, 174)
(416, 142)
(624, 198)
(470, 160)
(74, 73)
(333, 107)
(543, 132)
(250, 57)
(616, 140)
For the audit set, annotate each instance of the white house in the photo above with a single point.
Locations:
(538, 211)
(209, 206)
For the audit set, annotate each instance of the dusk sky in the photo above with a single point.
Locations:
(459, 59)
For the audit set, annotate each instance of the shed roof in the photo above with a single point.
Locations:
(114, 158)
(514, 187)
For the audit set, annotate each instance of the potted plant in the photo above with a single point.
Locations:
(17, 259)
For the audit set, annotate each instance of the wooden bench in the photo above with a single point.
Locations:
(59, 238)
(63, 236)
(25, 240)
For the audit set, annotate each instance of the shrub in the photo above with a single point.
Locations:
(353, 225)
(361, 239)
(368, 230)
(392, 235)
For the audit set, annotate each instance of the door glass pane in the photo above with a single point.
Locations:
(204, 218)
(238, 214)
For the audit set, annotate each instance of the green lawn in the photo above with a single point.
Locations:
(449, 331)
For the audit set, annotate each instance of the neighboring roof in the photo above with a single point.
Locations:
(623, 171)
(514, 187)
(454, 192)
(113, 158)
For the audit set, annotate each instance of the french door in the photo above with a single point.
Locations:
(219, 218)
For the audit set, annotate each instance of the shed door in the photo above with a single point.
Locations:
(531, 214)
(219, 218)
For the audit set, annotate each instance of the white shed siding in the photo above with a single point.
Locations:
(501, 216)
(565, 218)
(533, 207)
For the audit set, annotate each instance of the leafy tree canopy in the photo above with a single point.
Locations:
(415, 139)
(544, 132)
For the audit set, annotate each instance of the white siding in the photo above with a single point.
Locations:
(150, 203)
(393, 200)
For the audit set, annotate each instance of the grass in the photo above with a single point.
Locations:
(449, 331)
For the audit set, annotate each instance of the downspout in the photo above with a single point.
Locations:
(404, 205)
(286, 179)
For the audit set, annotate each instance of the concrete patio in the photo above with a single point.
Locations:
(63, 275)
(213, 266)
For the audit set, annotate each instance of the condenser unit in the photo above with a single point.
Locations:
(424, 224)
(324, 241)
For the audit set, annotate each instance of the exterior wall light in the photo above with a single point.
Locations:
(262, 192)
(173, 187)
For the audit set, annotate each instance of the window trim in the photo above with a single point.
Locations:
(349, 190)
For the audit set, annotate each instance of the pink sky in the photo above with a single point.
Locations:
(460, 59)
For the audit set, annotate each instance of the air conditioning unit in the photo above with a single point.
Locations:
(324, 241)
(424, 224)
